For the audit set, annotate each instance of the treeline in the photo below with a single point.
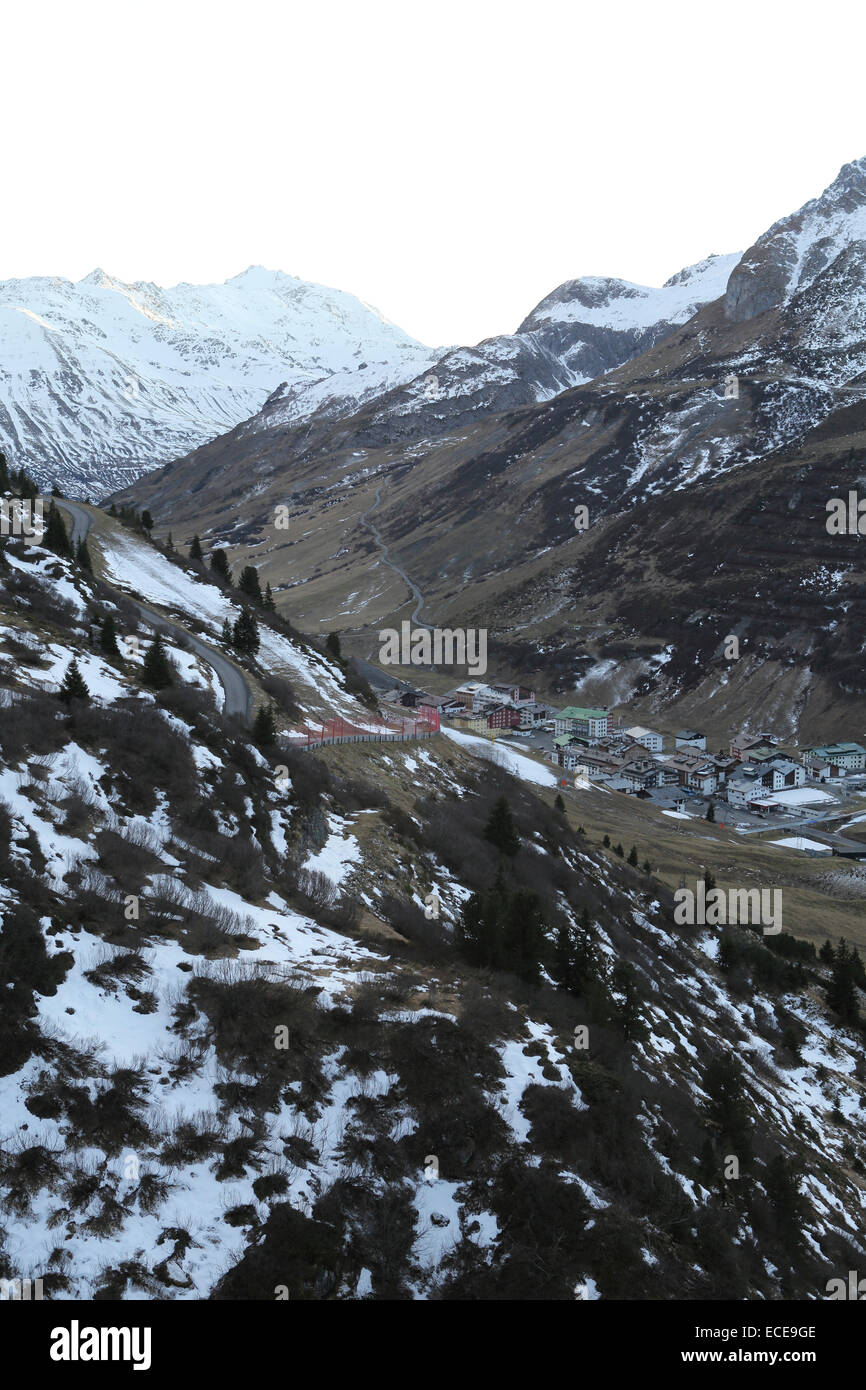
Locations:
(509, 927)
(55, 535)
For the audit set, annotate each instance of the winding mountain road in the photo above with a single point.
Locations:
(410, 584)
(238, 694)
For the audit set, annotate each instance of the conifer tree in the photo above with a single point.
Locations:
(728, 955)
(782, 1180)
(27, 486)
(479, 930)
(585, 955)
(564, 954)
(227, 633)
(249, 583)
(559, 803)
(169, 543)
(219, 563)
(245, 634)
(632, 856)
(82, 556)
(55, 537)
(727, 1108)
(73, 686)
(5, 480)
(269, 600)
(332, 642)
(264, 727)
(523, 935)
(711, 813)
(147, 521)
(195, 550)
(618, 849)
(624, 981)
(108, 636)
(500, 829)
(156, 669)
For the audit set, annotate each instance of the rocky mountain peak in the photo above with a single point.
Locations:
(798, 248)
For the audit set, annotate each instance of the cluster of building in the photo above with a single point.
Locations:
(753, 773)
(481, 708)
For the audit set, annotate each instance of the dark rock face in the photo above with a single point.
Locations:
(757, 284)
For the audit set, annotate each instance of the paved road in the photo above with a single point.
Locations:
(413, 588)
(379, 679)
(238, 695)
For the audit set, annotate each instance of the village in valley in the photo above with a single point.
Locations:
(755, 784)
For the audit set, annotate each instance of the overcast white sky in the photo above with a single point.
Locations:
(449, 162)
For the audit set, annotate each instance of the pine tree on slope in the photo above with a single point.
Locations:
(156, 669)
(73, 686)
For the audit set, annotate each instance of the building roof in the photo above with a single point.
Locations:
(827, 750)
(579, 712)
(689, 733)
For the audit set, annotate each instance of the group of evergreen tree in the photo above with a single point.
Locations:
(503, 929)
(131, 517)
(620, 852)
(248, 582)
(157, 672)
(17, 481)
(846, 973)
(727, 1108)
(54, 533)
(55, 536)
(576, 955)
(624, 982)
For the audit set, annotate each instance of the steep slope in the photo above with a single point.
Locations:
(101, 380)
(237, 1091)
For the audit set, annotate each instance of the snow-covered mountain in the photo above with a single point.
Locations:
(101, 381)
(797, 249)
(581, 330)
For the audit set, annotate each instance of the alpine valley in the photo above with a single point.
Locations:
(311, 991)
